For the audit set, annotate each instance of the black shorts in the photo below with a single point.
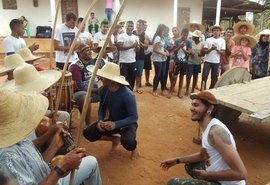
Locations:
(148, 62)
(193, 69)
(180, 68)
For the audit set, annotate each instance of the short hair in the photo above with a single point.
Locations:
(184, 30)
(104, 22)
(80, 20)
(130, 22)
(15, 22)
(70, 16)
(92, 13)
(141, 21)
(229, 28)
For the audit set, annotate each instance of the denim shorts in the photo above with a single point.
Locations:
(139, 66)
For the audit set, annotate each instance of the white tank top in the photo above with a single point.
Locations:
(216, 161)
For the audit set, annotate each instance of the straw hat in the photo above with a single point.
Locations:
(215, 26)
(196, 33)
(199, 25)
(27, 78)
(11, 62)
(111, 71)
(264, 32)
(252, 41)
(121, 20)
(206, 96)
(250, 27)
(27, 55)
(20, 114)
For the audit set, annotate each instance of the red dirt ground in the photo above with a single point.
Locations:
(165, 130)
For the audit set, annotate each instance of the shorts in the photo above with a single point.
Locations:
(193, 69)
(180, 68)
(78, 95)
(148, 62)
(139, 66)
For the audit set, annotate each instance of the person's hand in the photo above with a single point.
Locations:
(202, 174)
(135, 44)
(57, 140)
(214, 47)
(165, 165)
(56, 127)
(108, 125)
(183, 43)
(34, 47)
(72, 160)
(99, 127)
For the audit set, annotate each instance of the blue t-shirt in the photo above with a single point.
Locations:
(121, 105)
(180, 56)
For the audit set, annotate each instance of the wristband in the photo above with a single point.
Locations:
(59, 171)
(177, 160)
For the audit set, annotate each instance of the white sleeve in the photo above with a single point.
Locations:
(157, 40)
(8, 46)
(121, 38)
(57, 34)
(96, 38)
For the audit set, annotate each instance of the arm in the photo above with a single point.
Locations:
(121, 47)
(196, 157)
(58, 47)
(146, 42)
(221, 141)
(246, 54)
(102, 106)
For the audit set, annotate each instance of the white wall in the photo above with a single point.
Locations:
(37, 16)
(153, 11)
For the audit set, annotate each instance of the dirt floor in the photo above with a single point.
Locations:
(165, 130)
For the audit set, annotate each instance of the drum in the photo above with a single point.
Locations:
(67, 92)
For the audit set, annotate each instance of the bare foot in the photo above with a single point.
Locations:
(187, 93)
(180, 96)
(135, 154)
(169, 95)
(115, 143)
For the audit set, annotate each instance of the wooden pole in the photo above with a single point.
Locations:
(99, 59)
(58, 97)
(53, 31)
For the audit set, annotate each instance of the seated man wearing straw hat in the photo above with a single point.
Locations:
(119, 101)
(21, 161)
(81, 76)
(218, 162)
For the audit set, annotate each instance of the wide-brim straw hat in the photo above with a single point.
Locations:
(264, 32)
(111, 71)
(215, 26)
(200, 26)
(27, 78)
(11, 62)
(206, 96)
(196, 33)
(252, 41)
(27, 55)
(20, 114)
(250, 27)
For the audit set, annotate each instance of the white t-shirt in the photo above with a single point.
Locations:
(101, 37)
(65, 36)
(127, 56)
(150, 37)
(217, 162)
(213, 56)
(12, 44)
(156, 57)
(84, 37)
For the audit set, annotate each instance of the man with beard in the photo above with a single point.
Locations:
(218, 162)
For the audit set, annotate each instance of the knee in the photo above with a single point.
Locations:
(88, 134)
(129, 144)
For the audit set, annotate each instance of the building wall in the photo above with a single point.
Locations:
(37, 16)
(153, 11)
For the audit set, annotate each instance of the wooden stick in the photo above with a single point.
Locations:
(99, 59)
(58, 97)
(53, 31)
(72, 174)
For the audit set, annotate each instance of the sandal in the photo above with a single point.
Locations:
(139, 91)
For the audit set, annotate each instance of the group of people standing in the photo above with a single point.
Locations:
(177, 56)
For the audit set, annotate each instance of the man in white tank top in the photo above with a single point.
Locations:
(218, 162)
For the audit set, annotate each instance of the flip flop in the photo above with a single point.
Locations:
(139, 91)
